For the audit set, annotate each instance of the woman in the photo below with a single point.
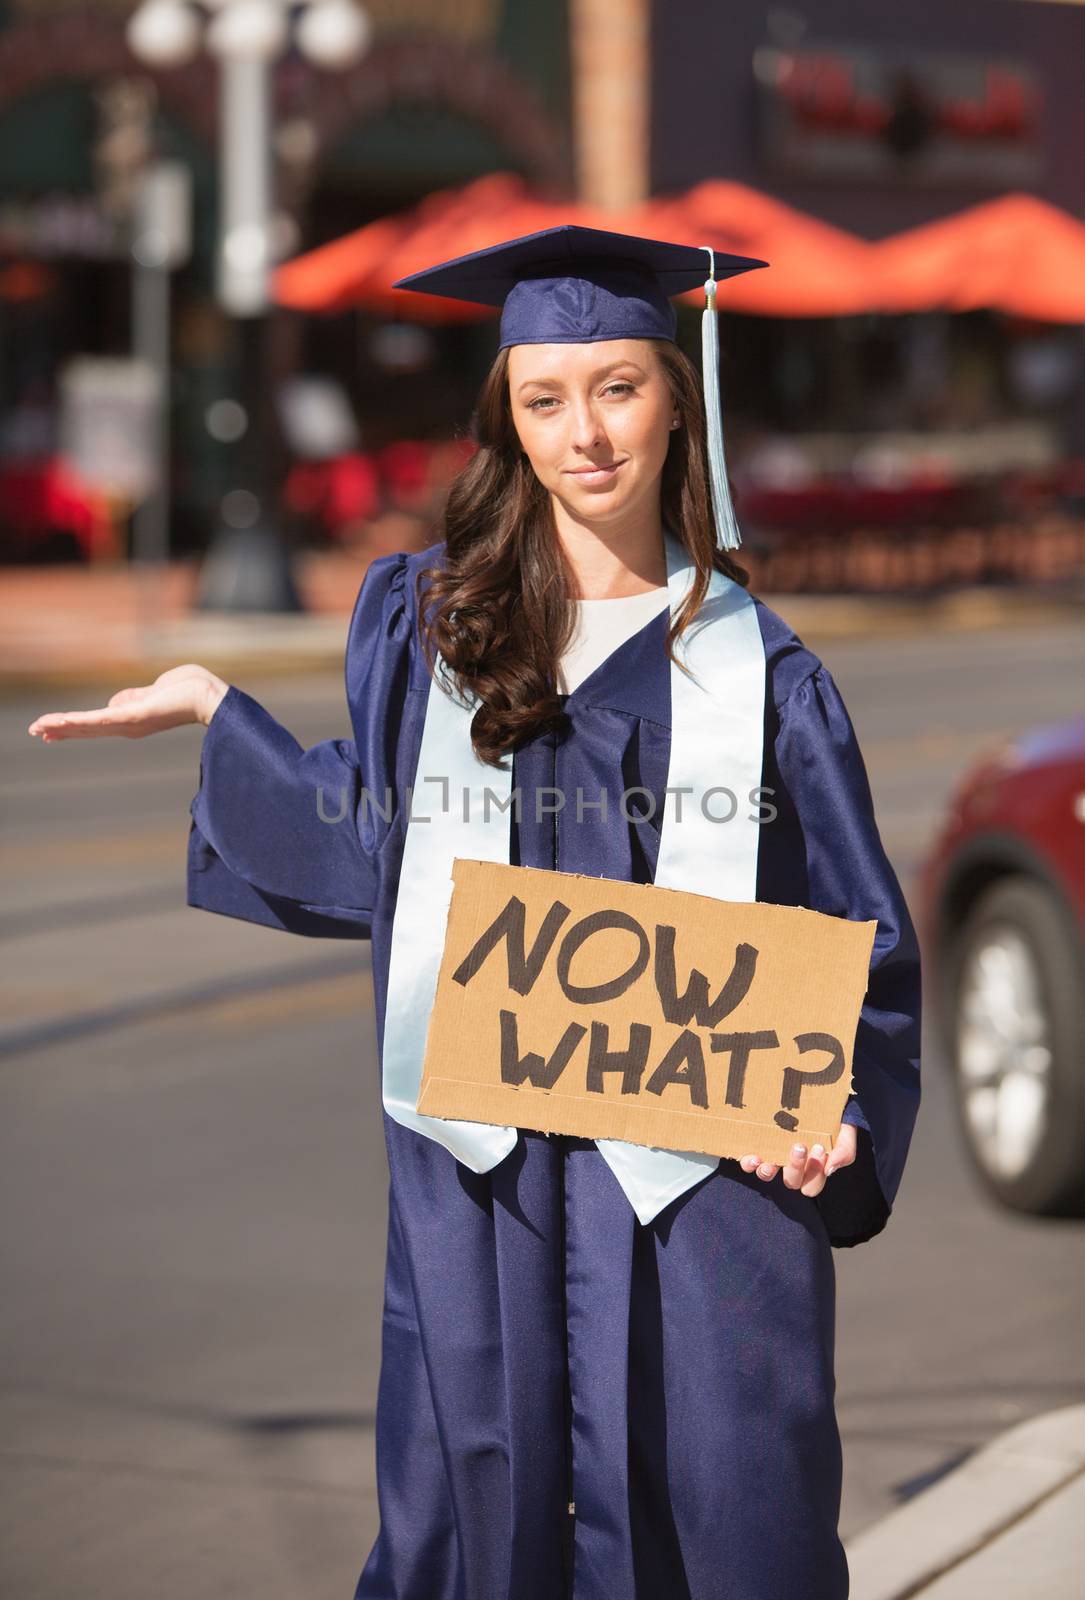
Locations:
(612, 1390)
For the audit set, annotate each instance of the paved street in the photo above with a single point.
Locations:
(192, 1181)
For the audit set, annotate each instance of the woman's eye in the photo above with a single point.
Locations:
(544, 402)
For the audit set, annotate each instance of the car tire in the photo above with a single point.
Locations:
(1015, 1015)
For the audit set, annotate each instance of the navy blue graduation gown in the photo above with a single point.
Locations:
(673, 1383)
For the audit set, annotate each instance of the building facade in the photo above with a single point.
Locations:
(874, 118)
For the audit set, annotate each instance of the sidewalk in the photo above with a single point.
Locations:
(118, 625)
(71, 625)
(1007, 1525)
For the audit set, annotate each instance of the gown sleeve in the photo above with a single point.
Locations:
(849, 875)
(280, 835)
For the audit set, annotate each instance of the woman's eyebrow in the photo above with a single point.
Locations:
(601, 372)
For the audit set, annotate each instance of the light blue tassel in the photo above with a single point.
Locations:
(727, 534)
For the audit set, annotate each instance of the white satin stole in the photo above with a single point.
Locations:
(717, 738)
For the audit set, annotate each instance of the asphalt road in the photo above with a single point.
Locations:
(193, 1188)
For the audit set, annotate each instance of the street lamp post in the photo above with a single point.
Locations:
(248, 566)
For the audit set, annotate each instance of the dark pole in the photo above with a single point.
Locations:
(249, 565)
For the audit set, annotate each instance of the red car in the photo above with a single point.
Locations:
(1002, 916)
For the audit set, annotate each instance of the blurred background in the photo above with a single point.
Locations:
(215, 411)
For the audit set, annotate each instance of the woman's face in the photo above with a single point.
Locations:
(595, 421)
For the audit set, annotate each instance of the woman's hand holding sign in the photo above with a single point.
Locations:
(808, 1172)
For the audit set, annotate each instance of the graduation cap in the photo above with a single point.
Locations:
(574, 285)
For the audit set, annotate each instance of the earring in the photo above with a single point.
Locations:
(676, 423)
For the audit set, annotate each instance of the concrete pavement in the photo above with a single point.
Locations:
(71, 625)
(1009, 1524)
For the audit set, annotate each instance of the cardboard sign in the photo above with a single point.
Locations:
(611, 1010)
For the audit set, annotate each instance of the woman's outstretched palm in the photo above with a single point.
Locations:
(189, 693)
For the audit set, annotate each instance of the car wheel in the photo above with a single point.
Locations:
(1016, 1014)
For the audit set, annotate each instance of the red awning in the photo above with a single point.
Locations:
(815, 270)
(359, 270)
(1016, 254)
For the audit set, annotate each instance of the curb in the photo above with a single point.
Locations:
(941, 1528)
(962, 610)
(276, 644)
(265, 644)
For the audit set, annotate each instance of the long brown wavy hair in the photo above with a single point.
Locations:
(498, 607)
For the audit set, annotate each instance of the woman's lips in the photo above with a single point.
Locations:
(595, 474)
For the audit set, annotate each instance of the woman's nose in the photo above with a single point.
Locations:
(587, 429)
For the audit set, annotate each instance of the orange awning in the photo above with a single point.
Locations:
(360, 269)
(814, 269)
(1016, 254)
(328, 278)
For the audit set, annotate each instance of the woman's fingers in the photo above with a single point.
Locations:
(68, 721)
(145, 711)
(765, 1170)
(795, 1167)
(110, 719)
(808, 1172)
(178, 696)
(842, 1153)
(814, 1180)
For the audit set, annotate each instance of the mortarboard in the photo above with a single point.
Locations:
(574, 285)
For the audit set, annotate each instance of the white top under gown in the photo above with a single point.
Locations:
(601, 626)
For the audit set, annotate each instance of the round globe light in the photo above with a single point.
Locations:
(252, 30)
(247, 247)
(164, 33)
(333, 33)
